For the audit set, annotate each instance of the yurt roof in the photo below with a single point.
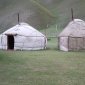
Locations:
(23, 29)
(75, 28)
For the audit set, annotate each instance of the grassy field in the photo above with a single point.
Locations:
(46, 67)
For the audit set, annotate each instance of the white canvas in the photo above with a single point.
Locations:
(72, 37)
(64, 43)
(25, 38)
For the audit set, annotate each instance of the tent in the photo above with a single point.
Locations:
(72, 38)
(22, 37)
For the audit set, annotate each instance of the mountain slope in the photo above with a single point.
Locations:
(39, 13)
(33, 13)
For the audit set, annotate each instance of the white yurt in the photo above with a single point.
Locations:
(22, 37)
(72, 38)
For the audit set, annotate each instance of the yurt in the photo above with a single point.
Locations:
(22, 37)
(72, 38)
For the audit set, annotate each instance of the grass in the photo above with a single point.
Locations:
(45, 67)
(43, 9)
(49, 67)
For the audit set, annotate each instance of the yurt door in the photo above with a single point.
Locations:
(10, 42)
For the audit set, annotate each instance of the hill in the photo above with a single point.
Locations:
(39, 13)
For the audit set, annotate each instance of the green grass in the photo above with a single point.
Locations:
(43, 8)
(49, 67)
(45, 67)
